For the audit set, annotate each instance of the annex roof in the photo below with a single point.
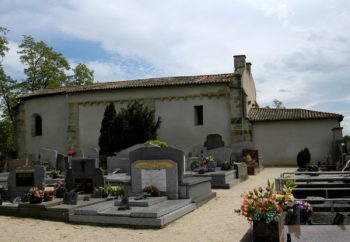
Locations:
(279, 114)
(149, 82)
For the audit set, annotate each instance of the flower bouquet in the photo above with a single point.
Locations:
(35, 195)
(305, 211)
(152, 190)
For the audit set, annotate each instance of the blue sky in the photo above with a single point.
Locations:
(299, 49)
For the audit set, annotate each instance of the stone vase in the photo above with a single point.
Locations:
(272, 232)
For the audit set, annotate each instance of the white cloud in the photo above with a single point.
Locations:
(12, 63)
(299, 46)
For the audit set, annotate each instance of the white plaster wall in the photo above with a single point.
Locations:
(53, 111)
(178, 125)
(178, 121)
(279, 142)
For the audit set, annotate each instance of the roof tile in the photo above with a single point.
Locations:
(279, 114)
(150, 82)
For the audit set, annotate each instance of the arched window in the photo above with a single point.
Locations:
(37, 128)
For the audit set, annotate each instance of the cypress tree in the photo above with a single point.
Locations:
(105, 140)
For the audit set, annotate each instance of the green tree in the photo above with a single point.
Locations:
(134, 124)
(43, 66)
(7, 139)
(105, 141)
(46, 68)
(82, 75)
(8, 101)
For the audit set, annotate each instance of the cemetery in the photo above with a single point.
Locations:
(146, 186)
(142, 186)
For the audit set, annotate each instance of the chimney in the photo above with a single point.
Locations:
(239, 61)
(248, 66)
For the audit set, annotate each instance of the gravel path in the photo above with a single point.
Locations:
(214, 221)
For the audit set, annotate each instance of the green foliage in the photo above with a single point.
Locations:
(105, 141)
(7, 139)
(3, 42)
(303, 158)
(157, 142)
(108, 189)
(82, 76)
(44, 67)
(133, 125)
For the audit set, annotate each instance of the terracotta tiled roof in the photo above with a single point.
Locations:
(278, 114)
(150, 82)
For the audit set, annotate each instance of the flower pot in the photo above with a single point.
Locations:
(272, 232)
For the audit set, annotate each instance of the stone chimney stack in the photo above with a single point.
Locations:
(239, 61)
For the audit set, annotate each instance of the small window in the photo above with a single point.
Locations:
(38, 126)
(198, 115)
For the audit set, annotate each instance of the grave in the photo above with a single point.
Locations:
(62, 163)
(22, 178)
(121, 160)
(48, 156)
(254, 163)
(161, 167)
(84, 175)
(221, 154)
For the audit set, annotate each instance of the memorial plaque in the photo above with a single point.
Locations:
(155, 177)
(24, 179)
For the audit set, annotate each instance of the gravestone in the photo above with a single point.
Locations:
(62, 163)
(121, 160)
(198, 150)
(84, 175)
(33, 159)
(214, 141)
(49, 156)
(221, 154)
(92, 153)
(21, 179)
(160, 167)
(13, 164)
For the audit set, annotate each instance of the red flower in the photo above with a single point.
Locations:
(72, 152)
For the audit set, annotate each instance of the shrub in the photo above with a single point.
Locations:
(157, 142)
(303, 158)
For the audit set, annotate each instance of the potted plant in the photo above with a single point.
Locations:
(55, 174)
(264, 207)
(305, 211)
(101, 191)
(35, 195)
(225, 166)
(152, 190)
(59, 189)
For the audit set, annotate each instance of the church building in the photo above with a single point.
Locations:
(190, 107)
